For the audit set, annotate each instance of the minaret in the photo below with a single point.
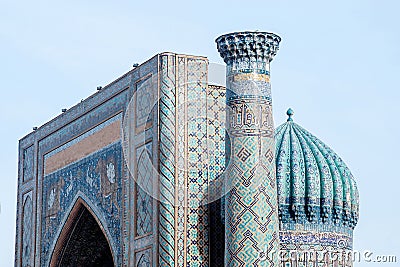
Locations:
(251, 215)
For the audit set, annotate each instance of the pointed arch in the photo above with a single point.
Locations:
(143, 194)
(27, 225)
(73, 237)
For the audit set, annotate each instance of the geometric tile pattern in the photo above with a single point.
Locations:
(216, 100)
(216, 133)
(197, 214)
(182, 162)
(216, 118)
(144, 186)
(192, 154)
(167, 107)
(251, 216)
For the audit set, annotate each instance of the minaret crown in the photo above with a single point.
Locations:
(248, 47)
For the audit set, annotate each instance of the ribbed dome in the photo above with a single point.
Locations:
(314, 185)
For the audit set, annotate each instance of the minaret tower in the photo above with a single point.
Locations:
(251, 215)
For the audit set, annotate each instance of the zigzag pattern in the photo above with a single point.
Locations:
(167, 162)
(252, 222)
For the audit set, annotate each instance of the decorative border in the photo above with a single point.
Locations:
(87, 133)
(167, 116)
(300, 238)
(181, 183)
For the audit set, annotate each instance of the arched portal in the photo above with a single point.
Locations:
(82, 241)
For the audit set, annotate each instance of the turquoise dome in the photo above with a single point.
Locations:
(315, 187)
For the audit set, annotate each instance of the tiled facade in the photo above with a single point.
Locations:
(171, 177)
(251, 216)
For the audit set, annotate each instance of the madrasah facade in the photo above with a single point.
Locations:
(162, 168)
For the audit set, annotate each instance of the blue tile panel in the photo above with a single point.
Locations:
(251, 216)
(289, 192)
(97, 179)
(84, 135)
(197, 171)
(183, 235)
(216, 144)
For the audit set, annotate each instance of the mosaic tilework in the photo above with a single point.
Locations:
(139, 129)
(216, 145)
(306, 248)
(197, 217)
(83, 136)
(316, 189)
(248, 51)
(28, 160)
(317, 258)
(182, 163)
(216, 119)
(251, 215)
(106, 135)
(167, 133)
(27, 232)
(97, 177)
(335, 240)
(192, 154)
(85, 115)
(144, 186)
(72, 131)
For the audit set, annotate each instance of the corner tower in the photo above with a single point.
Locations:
(251, 216)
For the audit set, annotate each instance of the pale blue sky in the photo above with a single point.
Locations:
(337, 68)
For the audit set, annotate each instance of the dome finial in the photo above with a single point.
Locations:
(290, 113)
